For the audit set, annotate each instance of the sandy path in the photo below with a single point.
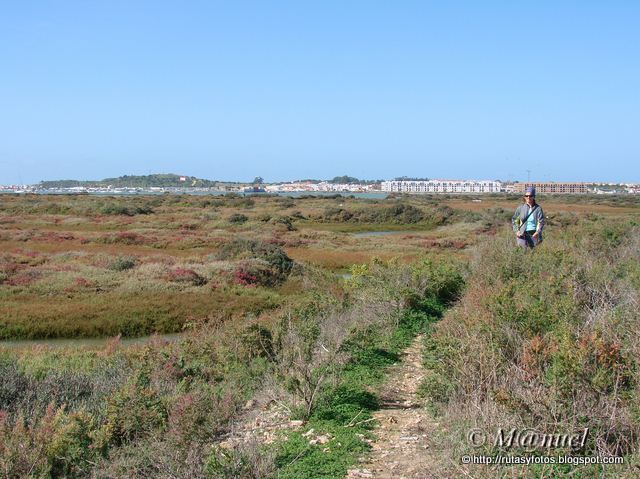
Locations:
(403, 449)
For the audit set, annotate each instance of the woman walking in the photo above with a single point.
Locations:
(528, 220)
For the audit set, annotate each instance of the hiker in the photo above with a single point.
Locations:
(528, 220)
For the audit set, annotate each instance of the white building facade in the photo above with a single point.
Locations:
(323, 186)
(442, 186)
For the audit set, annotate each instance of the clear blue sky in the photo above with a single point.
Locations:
(286, 90)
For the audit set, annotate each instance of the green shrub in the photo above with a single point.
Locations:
(257, 273)
(400, 213)
(284, 221)
(273, 255)
(257, 341)
(436, 388)
(120, 209)
(134, 411)
(237, 219)
(122, 263)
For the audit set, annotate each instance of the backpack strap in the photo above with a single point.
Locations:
(524, 221)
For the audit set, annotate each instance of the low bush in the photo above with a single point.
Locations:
(284, 221)
(185, 275)
(272, 256)
(237, 219)
(134, 411)
(400, 213)
(257, 273)
(122, 263)
(121, 209)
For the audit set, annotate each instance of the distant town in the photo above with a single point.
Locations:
(171, 183)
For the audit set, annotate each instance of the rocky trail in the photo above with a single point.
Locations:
(403, 448)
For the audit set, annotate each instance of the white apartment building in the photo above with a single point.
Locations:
(442, 186)
(323, 186)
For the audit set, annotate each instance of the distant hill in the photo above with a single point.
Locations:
(173, 180)
(133, 181)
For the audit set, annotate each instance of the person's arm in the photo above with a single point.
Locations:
(515, 219)
(540, 221)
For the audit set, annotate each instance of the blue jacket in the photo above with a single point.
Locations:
(521, 214)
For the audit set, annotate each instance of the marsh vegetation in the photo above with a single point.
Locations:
(253, 286)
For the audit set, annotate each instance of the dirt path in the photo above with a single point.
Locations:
(403, 449)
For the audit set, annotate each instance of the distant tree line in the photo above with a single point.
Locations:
(134, 181)
(408, 178)
(343, 180)
(340, 180)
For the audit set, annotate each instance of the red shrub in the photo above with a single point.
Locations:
(606, 353)
(243, 277)
(181, 417)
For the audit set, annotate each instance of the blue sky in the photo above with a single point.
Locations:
(286, 90)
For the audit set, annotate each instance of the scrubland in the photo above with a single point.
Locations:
(544, 340)
(281, 302)
(84, 266)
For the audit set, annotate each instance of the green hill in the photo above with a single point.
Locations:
(134, 181)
